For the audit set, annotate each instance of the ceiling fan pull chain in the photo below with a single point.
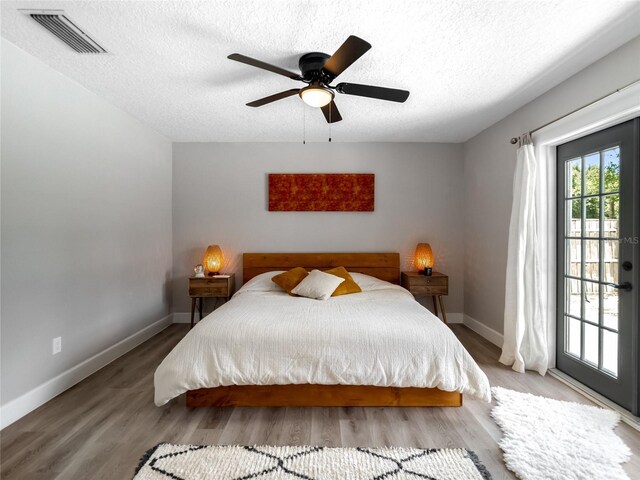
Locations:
(330, 122)
(304, 125)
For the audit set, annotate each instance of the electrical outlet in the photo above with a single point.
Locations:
(57, 345)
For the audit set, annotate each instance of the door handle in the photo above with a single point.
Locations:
(621, 286)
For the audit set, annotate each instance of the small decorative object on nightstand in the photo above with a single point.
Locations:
(198, 270)
(220, 286)
(434, 286)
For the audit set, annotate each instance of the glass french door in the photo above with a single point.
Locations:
(598, 242)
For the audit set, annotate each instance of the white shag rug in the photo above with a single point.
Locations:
(552, 439)
(236, 462)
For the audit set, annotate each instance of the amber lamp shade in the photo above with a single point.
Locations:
(424, 257)
(212, 260)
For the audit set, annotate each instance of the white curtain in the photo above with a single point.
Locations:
(525, 323)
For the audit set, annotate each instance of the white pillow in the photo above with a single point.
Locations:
(318, 285)
(261, 283)
(368, 283)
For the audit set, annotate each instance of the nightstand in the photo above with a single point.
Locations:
(434, 286)
(209, 287)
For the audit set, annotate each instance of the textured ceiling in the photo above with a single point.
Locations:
(467, 63)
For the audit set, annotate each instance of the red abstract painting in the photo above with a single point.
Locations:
(324, 192)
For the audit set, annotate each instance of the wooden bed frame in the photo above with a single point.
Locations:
(385, 266)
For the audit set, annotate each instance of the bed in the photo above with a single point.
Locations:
(266, 348)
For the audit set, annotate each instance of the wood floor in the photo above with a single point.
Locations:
(101, 427)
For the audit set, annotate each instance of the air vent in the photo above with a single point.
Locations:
(67, 31)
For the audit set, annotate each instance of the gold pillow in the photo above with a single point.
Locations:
(348, 286)
(290, 280)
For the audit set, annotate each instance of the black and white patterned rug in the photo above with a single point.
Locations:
(235, 462)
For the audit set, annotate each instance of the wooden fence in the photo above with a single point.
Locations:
(591, 253)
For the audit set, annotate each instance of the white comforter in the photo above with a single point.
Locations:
(263, 336)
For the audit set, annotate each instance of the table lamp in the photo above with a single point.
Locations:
(212, 260)
(424, 259)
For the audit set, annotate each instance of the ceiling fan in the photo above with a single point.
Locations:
(318, 70)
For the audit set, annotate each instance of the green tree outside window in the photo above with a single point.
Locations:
(611, 180)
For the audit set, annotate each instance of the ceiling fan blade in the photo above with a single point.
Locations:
(273, 98)
(350, 51)
(382, 93)
(265, 66)
(331, 112)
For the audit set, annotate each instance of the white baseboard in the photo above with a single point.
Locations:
(454, 317)
(19, 407)
(481, 329)
(183, 317)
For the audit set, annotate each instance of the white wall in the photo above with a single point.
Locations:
(489, 163)
(220, 196)
(86, 223)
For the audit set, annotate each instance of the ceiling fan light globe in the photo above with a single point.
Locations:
(316, 96)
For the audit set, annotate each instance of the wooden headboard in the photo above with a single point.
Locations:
(385, 266)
